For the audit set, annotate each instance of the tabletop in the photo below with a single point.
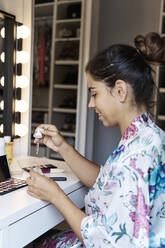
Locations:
(20, 212)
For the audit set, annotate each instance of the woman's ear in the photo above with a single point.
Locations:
(121, 90)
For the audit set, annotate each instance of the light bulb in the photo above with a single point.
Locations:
(1, 128)
(2, 81)
(3, 32)
(2, 105)
(22, 32)
(22, 57)
(20, 129)
(3, 57)
(22, 81)
(21, 106)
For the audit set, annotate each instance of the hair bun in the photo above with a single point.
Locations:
(152, 47)
(140, 43)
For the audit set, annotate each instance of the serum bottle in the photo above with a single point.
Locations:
(2, 147)
(8, 148)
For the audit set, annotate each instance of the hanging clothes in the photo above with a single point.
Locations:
(42, 48)
(41, 58)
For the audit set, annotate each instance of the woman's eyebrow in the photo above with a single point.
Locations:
(91, 88)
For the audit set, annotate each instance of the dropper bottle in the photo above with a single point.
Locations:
(38, 135)
(8, 148)
(2, 147)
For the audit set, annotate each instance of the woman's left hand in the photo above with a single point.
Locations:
(42, 187)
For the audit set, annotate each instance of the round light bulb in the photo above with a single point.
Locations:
(20, 129)
(22, 32)
(3, 32)
(3, 57)
(2, 81)
(22, 57)
(1, 128)
(21, 106)
(22, 81)
(2, 105)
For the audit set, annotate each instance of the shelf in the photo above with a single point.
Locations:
(163, 24)
(60, 99)
(66, 39)
(68, 1)
(41, 5)
(40, 109)
(44, 18)
(66, 86)
(66, 62)
(68, 20)
(162, 90)
(65, 110)
(161, 117)
(67, 134)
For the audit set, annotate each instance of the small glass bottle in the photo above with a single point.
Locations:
(8, 149)
(2, 147)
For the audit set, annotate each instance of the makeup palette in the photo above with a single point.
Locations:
(8, 184)
(45, 169)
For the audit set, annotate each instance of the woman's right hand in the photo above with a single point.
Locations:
(51, 137)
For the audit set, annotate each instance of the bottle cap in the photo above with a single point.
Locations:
(7, 139)
(2, 147)
(38, 134)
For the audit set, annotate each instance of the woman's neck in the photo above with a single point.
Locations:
(128, 117)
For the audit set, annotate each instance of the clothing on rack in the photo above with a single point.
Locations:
(41, 52)
(42, 48)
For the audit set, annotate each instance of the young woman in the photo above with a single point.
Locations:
(125, 204)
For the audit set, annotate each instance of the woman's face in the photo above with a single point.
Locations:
(103, 101)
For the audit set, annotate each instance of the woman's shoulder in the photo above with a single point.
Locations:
(152, 135)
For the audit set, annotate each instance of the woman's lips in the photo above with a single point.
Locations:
(99, 115)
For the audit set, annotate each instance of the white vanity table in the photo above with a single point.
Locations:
(24, 218)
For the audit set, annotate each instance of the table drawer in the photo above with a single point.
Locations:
(34, 225)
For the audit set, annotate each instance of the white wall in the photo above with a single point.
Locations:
(120, 22)
(22, 9)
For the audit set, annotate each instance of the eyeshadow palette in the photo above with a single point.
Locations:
(11, 185)
(7, 183)
(46, 168)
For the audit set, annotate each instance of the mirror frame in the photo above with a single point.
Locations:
(9, 73)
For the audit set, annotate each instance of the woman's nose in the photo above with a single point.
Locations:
(91, 103)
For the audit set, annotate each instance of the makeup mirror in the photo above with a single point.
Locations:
(8, 71)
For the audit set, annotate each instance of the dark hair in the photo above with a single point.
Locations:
(129, 64)
(152, 47)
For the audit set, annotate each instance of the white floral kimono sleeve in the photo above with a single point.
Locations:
(118, 205)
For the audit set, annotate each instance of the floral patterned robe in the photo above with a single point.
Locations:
(126, 205)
